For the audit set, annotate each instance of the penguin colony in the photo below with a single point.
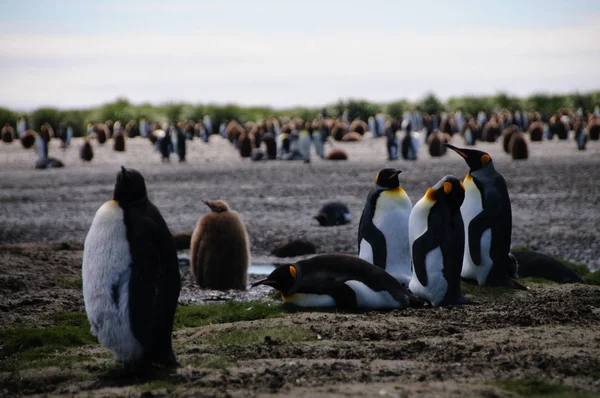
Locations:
(298, 139)
(406, 255)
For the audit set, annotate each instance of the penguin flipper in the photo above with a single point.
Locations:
(421, 246)
(154, 287)
(478, 225)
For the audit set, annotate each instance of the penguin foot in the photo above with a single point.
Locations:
(167, 360)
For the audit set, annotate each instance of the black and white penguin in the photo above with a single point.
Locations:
(304, 143)
(44, 161)
(340, 281)
(271, 145)
(333, 213)
(131, 276)
(409, 147)
(383, 229)
(487, 218)
(437, 240)
(181, 144)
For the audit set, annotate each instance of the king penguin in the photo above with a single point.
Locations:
(340, 281)
(131, 276)
(383, 228)
(437, 240)
(487, 217)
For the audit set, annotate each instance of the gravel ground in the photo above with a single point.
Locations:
(549, 334)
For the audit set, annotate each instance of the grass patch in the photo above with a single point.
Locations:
(34, 359)
(532, 282)
(208, 363)
(593, 278)
(157, 385)
(70, 283)
(208, 314)
(581, 269)
(538, 388)
(21, 345)
(253, 336)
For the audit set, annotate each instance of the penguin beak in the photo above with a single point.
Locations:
(267, 282)
(123, 170)
(206, 202)
(455, 149)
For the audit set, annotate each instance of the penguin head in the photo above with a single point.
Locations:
(450, 188)
(130, 186)
(282, 279)
(217, 206)
(474, 158)
(387, 179)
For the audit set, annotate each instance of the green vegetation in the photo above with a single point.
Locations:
(592, 278)
(538, 388)
(157, 385)
(70, 283)
(208, 362)
(25, 346)
(123, 110)
(207, 314)
(253, 336)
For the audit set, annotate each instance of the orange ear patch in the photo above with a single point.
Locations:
(485, 159)
(462, 186)
(447, 187)
(430, 195)
(293, 271)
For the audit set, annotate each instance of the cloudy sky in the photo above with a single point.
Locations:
(74, 53)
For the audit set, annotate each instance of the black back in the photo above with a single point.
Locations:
(327, 274)
(332, 213)
(181, 144)
(537, 265)
(155, 281)
(369, 232)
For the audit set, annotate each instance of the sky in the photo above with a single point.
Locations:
(77, 54)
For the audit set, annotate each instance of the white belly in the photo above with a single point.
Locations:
(106, 263)
(470, 208)
(310, 300)
(391, 218)
(367, 298)
(365, 251)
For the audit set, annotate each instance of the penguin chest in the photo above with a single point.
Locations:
(391, 216)
(433, 266)
(367, 298)
(106, 274)
(310, 300)
(472, 206)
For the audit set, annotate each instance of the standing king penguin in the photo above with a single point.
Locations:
(487, 217)
(341, 281)
(437, 240)
(131, 279)
(383, 229)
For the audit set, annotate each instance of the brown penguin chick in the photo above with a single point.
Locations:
(28, 139)
(436, 141)
(536, 131)
(507, 135)
(220, 253)
(358, 126)
(594, 129)
(337, 154)
(8, 133)
(86, 153)
(518, 146)
(118, 142)
(352, 136)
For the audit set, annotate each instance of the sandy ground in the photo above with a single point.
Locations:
(549, 333)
